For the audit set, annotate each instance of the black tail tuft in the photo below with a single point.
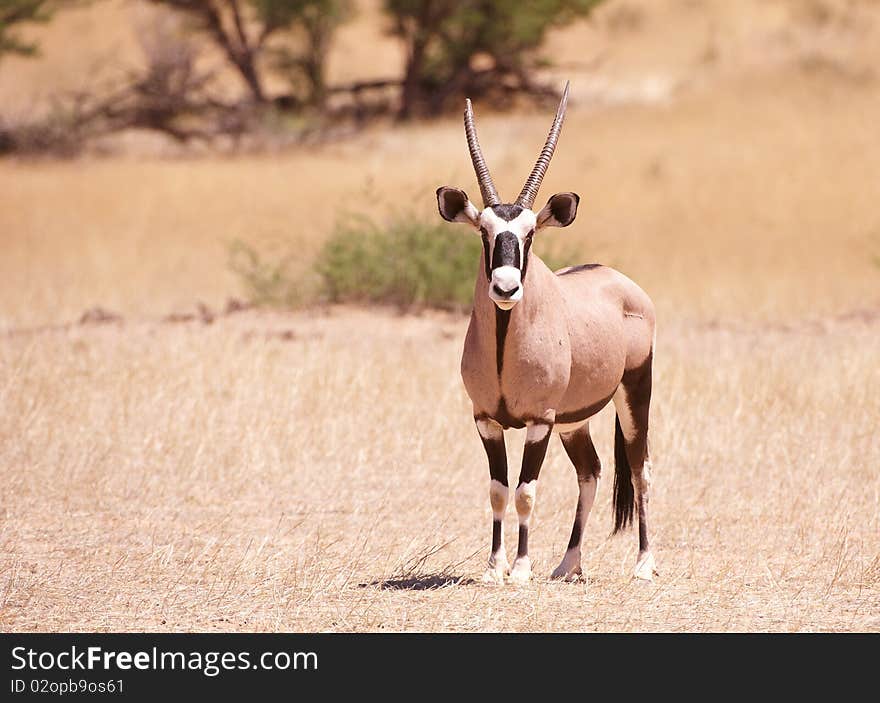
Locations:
(624, 496)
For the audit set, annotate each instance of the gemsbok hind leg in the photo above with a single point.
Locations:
(493, 441)
(579, 447)
(632, 401)
(537, 438)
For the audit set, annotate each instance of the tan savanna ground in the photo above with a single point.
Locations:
(319, 470)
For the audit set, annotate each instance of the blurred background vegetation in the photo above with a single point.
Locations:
(403, 260)
(154, 153)
(278, 50)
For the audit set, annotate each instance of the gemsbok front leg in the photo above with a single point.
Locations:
(632, 401)
(499, 492)
(579, 447)
(537, 438)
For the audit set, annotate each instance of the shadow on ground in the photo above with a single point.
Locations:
(426, 582)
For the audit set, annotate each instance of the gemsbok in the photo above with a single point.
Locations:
(547, 351)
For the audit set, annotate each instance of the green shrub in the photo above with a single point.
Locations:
(406, 262)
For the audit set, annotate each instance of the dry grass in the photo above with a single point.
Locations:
(319, 471)
(282, 472)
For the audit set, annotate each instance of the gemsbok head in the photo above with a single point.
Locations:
(546, 351)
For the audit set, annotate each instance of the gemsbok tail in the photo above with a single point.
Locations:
(624, 497)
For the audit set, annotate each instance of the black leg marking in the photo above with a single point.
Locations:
(643, 526)
(496, 452)
(533, 458)
(522, 548)
(493, 442)
(496, 536)
(579, 447)
(576, 528)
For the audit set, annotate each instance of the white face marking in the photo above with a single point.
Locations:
(507, 278)
(520, 225)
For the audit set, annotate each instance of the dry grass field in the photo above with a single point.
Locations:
(282, 470)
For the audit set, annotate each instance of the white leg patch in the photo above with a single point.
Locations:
(536, 432)
(525, 500)
(489, 429)
(499, 494)
(646, 567)
(521, 571)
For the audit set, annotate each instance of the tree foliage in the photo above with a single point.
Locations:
(14, 13)
(473, 46)
(482, 48)
(244, 31)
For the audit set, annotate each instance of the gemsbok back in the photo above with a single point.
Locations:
(547, 351)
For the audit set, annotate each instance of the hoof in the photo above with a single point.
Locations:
(521, 571)
(646, 568)
(568, 576)
(496, 571)
(569, 568)
(493, 576)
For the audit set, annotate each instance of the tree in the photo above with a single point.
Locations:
(14, 13)
(314, 21)
(445, 38)
(243, 30)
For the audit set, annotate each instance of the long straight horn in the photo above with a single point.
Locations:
(530, 189)
(487, 187)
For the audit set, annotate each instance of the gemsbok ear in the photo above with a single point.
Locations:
(454, 206)
(559, 211)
